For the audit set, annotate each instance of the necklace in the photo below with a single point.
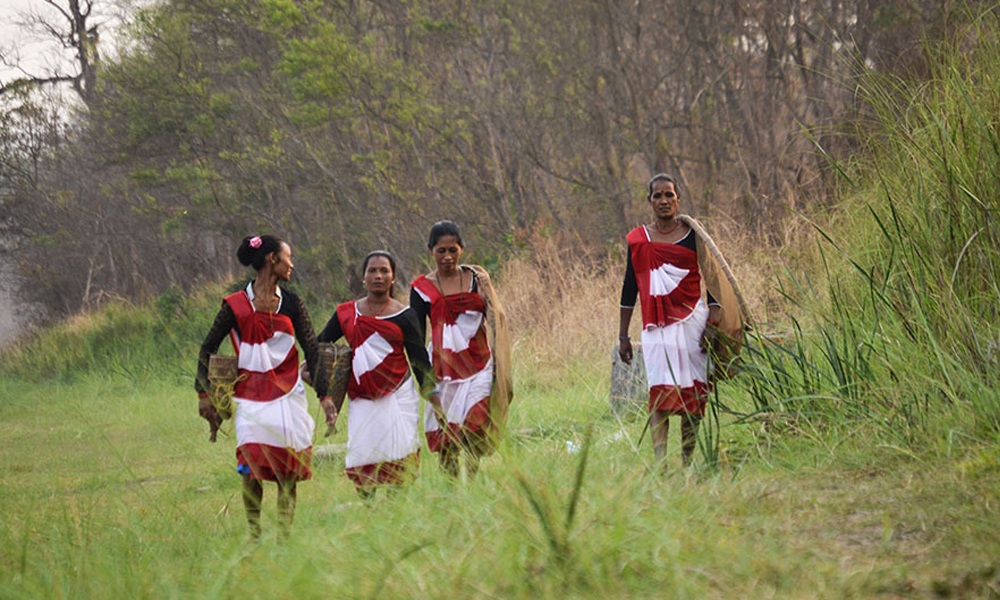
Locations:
(656, 225)
(270, 305)
(378, 313)
(440, 282)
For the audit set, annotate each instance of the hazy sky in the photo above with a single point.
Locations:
(41, 56)
(35, 56)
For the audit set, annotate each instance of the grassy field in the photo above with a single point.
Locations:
(858, 455)
(110, 489)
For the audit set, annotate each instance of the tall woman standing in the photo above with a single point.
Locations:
(383, 427)
(473, 394)
(273, 427)
(677, 323)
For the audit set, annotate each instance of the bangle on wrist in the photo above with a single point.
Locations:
(624, 338)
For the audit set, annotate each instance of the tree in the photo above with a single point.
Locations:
(353, 125)
(74, 30)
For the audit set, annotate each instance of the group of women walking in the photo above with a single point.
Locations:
(273, 427)
(466, 392)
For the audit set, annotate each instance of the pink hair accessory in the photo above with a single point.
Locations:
(255, 242)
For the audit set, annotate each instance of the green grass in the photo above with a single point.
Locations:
(857, 455)
(899, 331)
(110, 489)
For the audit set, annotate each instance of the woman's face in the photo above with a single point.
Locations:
(664, 200)
(282, 266)
(378, 275)
(446, 253)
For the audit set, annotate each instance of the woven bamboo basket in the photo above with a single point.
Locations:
(223, 371)
(337, 366)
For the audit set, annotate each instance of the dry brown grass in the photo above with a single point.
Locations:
(758, 264)
(563, 305)
(563, 308)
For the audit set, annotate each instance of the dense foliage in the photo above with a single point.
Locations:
(901, 325)
(346, 126)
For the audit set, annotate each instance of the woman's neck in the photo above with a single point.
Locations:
(666, 225)
(453, 273)
(266, 285)
(378, 299)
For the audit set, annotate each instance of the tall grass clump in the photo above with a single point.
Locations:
(903, 330)
(120, 338)
(563, 309)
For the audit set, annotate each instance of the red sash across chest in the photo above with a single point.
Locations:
(668, 279)
(265, 344)
(458, 338)
(378, 364)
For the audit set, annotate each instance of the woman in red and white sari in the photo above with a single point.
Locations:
(452, 297)
(271, 417)
(383, 428)
(677, 324)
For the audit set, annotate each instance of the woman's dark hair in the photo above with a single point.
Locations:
(392, 265)
(252, 256)
(661, 177)
(441, 229)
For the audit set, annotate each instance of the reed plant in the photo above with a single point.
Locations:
(110, 489)
(900, 327)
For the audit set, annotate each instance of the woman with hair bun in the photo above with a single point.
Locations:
(469, 350)
(271, 418)
(383, 427)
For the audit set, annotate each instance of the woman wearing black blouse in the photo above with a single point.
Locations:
(271, 418)
(385, 337)
(663, 272)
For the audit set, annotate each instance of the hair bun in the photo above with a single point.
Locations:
(245, 252)
(255, 248)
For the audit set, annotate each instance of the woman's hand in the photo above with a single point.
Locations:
(439, 416)
(208, 412)
(306, 375)
(330, 410)
(625, 349)
(709, 334)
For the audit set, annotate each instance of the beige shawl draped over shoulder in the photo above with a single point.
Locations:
(718, 279)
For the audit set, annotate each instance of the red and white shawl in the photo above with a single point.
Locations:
(463, 363)
(383, 420)
(673, 319)
(667, 276)
(271, 417)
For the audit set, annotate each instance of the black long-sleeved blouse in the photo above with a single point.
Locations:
(413, 344)
(292, 307)
(630, 287)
